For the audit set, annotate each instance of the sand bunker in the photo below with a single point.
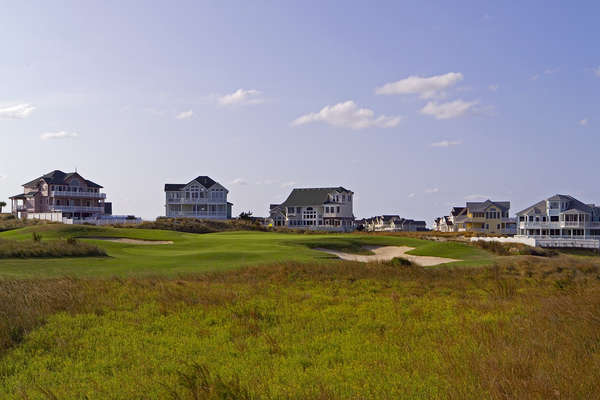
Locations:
(131, 241)
(386, 253)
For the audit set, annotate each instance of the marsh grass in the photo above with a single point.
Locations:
(526, 328)
(512, 249)
(37, 248)
(9, 222)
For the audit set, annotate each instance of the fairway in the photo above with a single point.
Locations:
(190, 253)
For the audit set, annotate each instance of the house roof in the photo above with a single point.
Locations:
(574, 205)
(173, 186)
(479, 206)
(58, 177)
(311, 196)
(205, 181)
(457, 210)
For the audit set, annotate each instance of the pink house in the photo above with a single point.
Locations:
(67, 195)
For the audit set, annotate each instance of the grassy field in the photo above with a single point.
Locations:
(262, 315)
(528, 330)
(206, 252)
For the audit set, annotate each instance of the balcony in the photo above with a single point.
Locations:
(196, 201)
(558, 224)
(77, 209)
(87, 195)
(199, 214)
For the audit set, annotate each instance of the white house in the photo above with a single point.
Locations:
(560, 216)
(201, 198)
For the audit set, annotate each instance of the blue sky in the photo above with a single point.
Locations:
(415, 106)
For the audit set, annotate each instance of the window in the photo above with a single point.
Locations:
(338, 209)
(521, 218)
(554, 218)
(343, 197)
(531, 218)
(298, 210)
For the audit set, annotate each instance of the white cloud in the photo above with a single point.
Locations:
(348, 115)
(583, 122)
(58, 135)
(288, 184)
(18, 111)
(185, 114)
(432, 190)
(446, 143)
(493, 88)
(535, 77)
(426, 88)
(477, 197)
(266, 182)
(2, 177)
(550, 71)
(597, 71)
(411, 195)
(451, 109)
(239, 181)
(241, 97)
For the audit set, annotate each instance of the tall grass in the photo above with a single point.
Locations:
(52, 248)
(9, 222)
(528, 328)
(513, 249)
(194, 225)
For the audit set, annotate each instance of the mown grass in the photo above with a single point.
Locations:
(527, 329)
(208, 252)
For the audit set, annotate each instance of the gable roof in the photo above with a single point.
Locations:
(573, 205)
(537, 208)
(311, 196)
(205, 181)
(58, 177)
(457, 210)
(479, 206)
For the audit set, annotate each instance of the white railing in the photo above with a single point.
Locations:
(72, 193)
(196, 201)
(76, 208)
(198, 214)
(102, 221)
(559, 224)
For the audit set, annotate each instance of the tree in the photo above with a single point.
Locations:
(2, 205)
(246, 215)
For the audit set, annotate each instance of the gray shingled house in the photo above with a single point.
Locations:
(316, 208)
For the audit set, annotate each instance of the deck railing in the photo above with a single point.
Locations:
(72, 193)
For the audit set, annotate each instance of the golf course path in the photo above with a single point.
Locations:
(387, 253)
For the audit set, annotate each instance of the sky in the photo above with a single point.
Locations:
(415, 106)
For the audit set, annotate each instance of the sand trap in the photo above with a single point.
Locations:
(386, 253)
(131, 241)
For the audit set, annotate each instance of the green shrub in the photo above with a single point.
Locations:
(401, 262)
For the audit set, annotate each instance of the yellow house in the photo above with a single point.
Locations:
(485, 217)
(489, 217)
